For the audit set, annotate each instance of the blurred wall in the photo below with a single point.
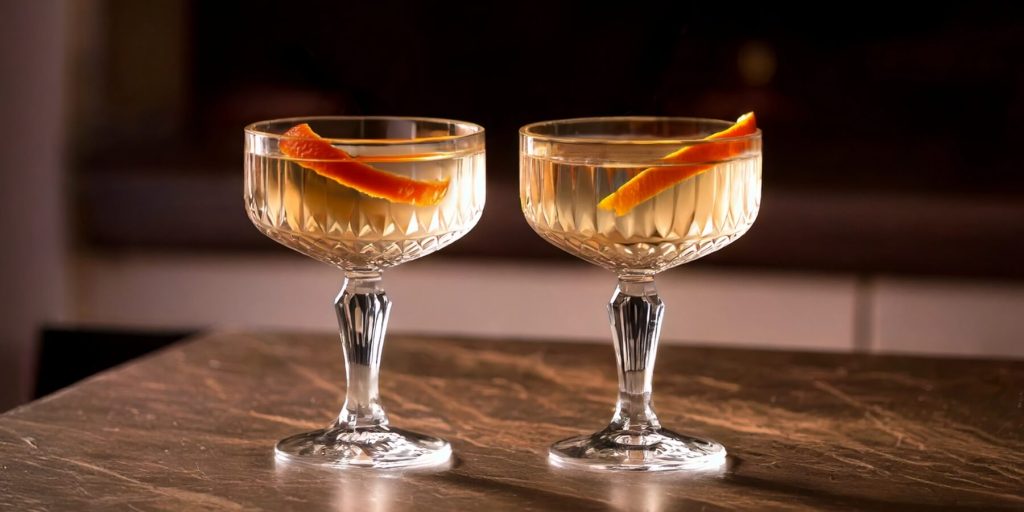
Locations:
(33, 262)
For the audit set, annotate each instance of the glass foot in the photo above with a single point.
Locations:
(370, 447)
(647, 450)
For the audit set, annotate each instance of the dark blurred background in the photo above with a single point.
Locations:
(907, 123)
(892, 138)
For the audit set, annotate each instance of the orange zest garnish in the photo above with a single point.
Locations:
(654, 180)
(313, 152)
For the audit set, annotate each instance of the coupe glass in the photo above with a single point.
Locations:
(369, 224)
(567, 168)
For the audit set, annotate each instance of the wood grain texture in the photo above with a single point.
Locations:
(193, 428)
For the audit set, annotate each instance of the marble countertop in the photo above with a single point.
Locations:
(193, 427)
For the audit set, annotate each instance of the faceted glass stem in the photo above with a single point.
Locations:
(635, 314)
(363, 309)
(361, 435)
(634, 440)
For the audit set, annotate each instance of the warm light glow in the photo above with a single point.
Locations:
(757, 63)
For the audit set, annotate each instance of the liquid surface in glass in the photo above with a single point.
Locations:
(699, 215)
(331, 222)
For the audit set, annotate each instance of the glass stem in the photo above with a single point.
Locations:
(363, 309)
(635, 313)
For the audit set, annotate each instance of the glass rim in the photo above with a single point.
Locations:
(529, 130)
(477, 130)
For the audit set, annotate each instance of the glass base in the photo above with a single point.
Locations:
(369, 447)
(647, 450)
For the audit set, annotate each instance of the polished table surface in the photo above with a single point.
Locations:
(193, 427)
